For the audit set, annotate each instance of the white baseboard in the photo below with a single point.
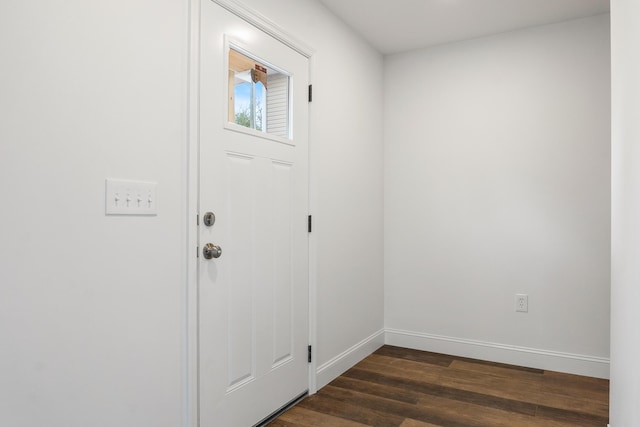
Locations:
(520, 356)
(335, 367)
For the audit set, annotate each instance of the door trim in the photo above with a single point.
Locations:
(190, 222)
(263, 23)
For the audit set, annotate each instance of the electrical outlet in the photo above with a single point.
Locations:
(522, 303)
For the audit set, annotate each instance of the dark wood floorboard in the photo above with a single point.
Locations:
(398, 387)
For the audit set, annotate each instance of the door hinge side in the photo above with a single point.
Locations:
(310, 93)
(309, 354)
(309, 224)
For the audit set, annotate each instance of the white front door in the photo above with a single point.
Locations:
(253, 299)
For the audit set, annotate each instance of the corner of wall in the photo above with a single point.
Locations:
(335, 367)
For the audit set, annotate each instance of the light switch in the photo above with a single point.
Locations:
(124, 197)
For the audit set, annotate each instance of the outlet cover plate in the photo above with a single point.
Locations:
(522, 303)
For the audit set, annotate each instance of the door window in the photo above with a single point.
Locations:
(258, 95)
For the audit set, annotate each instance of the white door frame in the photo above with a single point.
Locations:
(190, 355)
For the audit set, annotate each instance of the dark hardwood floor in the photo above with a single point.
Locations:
(397, 387)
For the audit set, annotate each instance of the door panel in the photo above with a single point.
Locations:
(253, 299)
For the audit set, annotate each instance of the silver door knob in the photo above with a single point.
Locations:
(211, 251)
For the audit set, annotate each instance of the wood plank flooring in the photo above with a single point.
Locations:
(397, 387)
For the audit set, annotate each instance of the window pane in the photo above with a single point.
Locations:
(258, 95)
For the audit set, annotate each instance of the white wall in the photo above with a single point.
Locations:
(91, 307)
(497, 182)
(625, 268)
(346, 181)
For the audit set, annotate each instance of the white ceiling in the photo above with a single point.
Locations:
(393, 26)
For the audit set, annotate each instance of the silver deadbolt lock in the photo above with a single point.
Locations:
(211, 251)
(209, 219)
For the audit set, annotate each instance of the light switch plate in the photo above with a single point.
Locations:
(124, 197)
